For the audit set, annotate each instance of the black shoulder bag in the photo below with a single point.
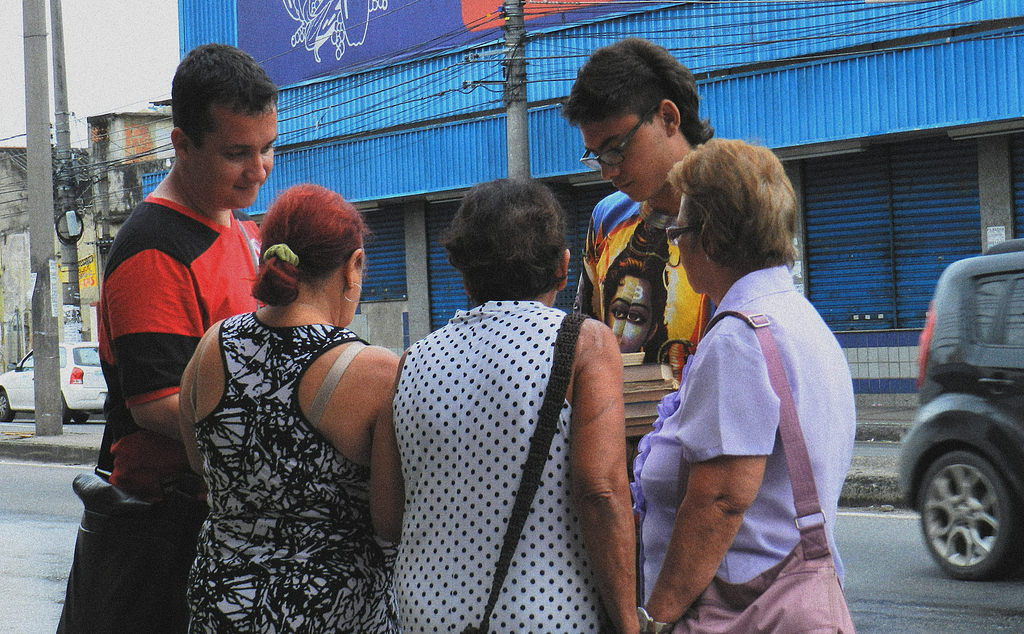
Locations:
(540, 445)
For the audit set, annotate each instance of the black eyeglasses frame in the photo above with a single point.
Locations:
(595, 162)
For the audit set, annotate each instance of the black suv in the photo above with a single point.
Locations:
(962, 462)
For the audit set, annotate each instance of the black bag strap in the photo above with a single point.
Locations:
(540, 445)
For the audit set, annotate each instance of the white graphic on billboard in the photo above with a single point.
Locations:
(340, 23)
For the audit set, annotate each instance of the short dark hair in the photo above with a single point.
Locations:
(218, 74)
(507, 240)
(633, 76)
(319, 226)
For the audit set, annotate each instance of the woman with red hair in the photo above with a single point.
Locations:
(281, 430)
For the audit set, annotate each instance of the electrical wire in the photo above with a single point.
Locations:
(376, 103)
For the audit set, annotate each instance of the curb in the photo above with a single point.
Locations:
(889, 432)
(56, 454)
(866, 485)
(871, 480)
(864, 491)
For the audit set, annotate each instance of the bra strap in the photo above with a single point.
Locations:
(316, 411)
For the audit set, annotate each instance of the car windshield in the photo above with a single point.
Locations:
(87, 356)
(29, 363)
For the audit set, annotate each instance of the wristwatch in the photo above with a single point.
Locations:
(649, 625)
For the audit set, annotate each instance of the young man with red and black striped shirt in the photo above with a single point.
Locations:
(183, 260)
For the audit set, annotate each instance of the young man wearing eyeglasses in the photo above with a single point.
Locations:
(637, 108)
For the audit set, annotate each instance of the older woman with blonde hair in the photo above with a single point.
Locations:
(712, 484)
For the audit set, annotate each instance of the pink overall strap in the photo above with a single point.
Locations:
(801, 476)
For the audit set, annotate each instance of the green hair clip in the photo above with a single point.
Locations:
(282, 252)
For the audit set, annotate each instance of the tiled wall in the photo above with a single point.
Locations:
(882, 362)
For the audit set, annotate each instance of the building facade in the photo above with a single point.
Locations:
(123, 149)
(900, 124)
(15, 277)
(105, 183)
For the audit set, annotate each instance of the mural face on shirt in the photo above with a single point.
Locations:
(635, 292)
(631, 313)
(645, 299)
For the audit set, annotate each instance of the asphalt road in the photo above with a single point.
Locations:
(891, 583)
(39, 517)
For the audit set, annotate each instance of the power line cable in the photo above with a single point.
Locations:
(391, 105)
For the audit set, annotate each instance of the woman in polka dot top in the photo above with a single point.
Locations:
(465, 407)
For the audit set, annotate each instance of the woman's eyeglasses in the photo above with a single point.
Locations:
(674, 233)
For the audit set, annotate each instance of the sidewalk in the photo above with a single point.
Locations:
(872, 479)
(81, 446)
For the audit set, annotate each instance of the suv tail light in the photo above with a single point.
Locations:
(77, 376)
(923, 343)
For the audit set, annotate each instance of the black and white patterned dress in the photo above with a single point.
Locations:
(465, 409)
(288, 545)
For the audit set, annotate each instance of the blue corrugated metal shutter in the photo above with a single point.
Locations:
(937, 217)
(207, 21)
(384, 278)
(446, 292)
(150, 181)
(883, 224)
(1017, 166)
(849, 233)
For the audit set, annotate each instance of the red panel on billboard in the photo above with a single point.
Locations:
(480, 15)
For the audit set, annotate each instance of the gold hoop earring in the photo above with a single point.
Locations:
(345, 294)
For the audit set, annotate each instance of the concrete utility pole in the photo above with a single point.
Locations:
(45, 300)
(517, 133)
(65, 182)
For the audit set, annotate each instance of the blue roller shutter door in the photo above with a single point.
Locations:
(848, 252)
(937, 215)
(578, 203)
(883, 224)
(384, 278)
(1017, 167)
(446, 292)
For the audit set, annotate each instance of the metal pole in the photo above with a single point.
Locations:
(517, 134)
(65, 202)
(40, 207)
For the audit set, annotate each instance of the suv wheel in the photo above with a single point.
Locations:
(970, 519)
(6, 413)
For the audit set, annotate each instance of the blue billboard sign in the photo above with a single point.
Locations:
(296, 40)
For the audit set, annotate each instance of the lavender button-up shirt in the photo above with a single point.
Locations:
(726, 406)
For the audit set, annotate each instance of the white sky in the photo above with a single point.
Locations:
(119, 55)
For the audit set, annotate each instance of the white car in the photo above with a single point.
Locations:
(81, 380)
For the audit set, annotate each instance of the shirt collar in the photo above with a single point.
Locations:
(757, 284)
